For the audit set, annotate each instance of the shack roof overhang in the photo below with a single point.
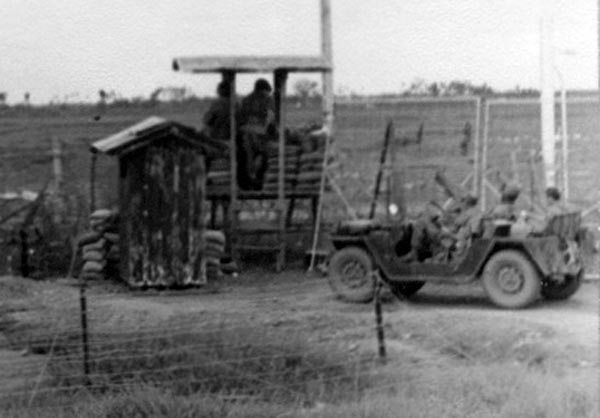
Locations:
(154, 128)
(251, 64)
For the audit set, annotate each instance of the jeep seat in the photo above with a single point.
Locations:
(566, 225)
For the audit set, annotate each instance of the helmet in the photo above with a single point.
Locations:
(510, 193)
(553, 193)
(262, 85)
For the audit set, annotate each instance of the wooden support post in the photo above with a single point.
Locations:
(476, 149)
(327, 79)
(484, 152)
(290, 212)
(280, 93)
(232, 207)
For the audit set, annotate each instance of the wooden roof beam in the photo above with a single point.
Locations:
(251, 64)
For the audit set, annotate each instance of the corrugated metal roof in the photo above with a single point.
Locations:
(150, 129)
(248, 64)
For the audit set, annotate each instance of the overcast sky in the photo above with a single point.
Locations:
(76, 47)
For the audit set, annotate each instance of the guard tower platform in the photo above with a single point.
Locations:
(282, 184)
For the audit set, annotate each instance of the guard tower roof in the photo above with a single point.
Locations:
(153, 128)
(251, 64)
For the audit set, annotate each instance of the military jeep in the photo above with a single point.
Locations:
(515, 267)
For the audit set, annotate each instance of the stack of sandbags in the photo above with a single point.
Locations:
(100, 246)
(290, 167)
(310, 170)
(313, 141)
(219, 172)
(214, 252)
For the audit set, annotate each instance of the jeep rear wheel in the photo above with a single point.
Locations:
(563, 290)
(350, 275)
(510, 280)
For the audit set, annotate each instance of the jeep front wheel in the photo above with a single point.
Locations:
(350, 275)
(510, 280)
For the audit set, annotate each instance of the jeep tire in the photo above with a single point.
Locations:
(560, 291)
(510, 280)
(350, 275)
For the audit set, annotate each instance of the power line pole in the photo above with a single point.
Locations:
(547, 99)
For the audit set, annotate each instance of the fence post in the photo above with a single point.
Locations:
(57, 164)
(57, 171)
(84, 331)
(379, 318)
(93, 182)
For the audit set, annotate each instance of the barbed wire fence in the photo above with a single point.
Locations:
(255, 350)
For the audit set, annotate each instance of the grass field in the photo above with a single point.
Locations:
(25, 134)
(25, 160)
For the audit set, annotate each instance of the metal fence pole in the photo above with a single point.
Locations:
(379, 319)
(84, 330)
(93, 183)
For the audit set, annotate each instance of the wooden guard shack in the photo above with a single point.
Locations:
(279, 67)
(162, 180)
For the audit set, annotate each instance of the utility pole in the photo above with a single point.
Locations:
(547, 99)
(327, 53)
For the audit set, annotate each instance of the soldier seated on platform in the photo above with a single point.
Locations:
(256, 119)
(217, 119)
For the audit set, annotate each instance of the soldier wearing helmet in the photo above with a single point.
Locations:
(256, 119)
(217, 118)
(554, 206)
(506, 208)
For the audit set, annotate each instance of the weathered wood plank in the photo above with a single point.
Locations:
(251, 63)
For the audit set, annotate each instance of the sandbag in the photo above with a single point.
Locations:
(94, 246)
(94, 255)
(101, 214)
(88, 238)
(214, 235)
(91, 275)
(93, 266)
(111, 237)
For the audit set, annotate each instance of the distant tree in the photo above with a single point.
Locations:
(3, 97)
(482, 90)
(433, 89)
(26, 98)
(103, 96)
(305, 89)
(418, 87)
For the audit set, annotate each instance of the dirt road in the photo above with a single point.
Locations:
(293, 297)
(441, 324)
